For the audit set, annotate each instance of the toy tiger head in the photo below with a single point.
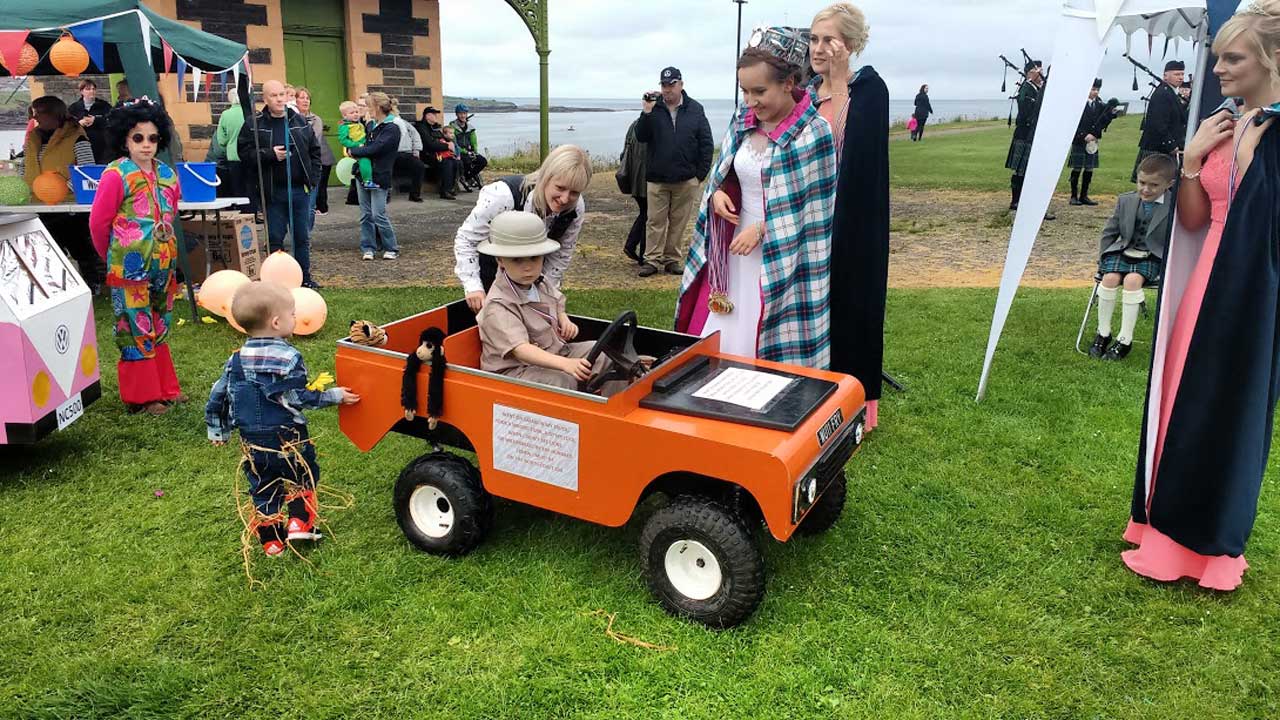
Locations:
(364, 332)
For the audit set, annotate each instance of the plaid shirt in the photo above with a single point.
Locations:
(800, 193)
(268, 361)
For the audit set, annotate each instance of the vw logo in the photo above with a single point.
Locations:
(62, 339)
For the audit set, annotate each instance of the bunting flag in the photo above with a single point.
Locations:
(235, 76)
(195, 83)
(145, 25)
(168, 55)
(181, 70)
(1167, 41)
(90, 36)
(11, 46)
(1220, 11)
(208, 85)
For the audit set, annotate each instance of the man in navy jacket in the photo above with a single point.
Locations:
(679, 148)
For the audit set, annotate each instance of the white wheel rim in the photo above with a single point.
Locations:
(431, 511)
(692, 569)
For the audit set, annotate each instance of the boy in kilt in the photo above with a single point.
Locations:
(1084, 157)
(1132, 252)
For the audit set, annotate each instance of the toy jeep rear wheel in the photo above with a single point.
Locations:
(826, 511)
(701, 563)
(441, 505)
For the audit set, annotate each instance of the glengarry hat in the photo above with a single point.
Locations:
(1174, 65)
(517, 234)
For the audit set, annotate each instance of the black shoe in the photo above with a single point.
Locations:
(415, 199)
(1050, 216)
(1076, 201)
(448, 196)
(1119, 351)
(1086, 200)
(647, 269)
(1013, 207)
(311, 284)
(1099, 346)
(674, 268)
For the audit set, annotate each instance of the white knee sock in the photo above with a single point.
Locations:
(1129, 315)
(1106, 307)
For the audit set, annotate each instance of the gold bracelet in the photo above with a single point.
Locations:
(1184, 174)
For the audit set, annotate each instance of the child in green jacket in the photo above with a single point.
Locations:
(352, 133)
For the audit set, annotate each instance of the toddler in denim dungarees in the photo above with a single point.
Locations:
(262, 392)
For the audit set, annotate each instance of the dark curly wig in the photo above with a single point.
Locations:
(122, 121)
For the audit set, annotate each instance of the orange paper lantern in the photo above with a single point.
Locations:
(68, 56)
(28, 58)
(50, 187)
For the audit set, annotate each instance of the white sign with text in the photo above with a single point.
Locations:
(535, 446)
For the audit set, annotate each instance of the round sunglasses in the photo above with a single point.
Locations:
(139, 138)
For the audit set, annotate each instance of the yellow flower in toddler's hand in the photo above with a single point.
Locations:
(322, 381)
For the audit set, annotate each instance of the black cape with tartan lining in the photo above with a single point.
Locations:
(860, 235)
(1206, 488)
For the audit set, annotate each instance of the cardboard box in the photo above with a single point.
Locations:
(49, 367)
(232, 244)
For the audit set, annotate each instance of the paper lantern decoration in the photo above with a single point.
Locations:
(50, 187)
(282, 269)
(346, 170)
(217, 290)
(28, 58)
(14, 191)
(68, 56)
(310, 310)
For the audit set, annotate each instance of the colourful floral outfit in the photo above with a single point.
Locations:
(132, 227)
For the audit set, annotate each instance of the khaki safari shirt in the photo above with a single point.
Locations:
(513, 316)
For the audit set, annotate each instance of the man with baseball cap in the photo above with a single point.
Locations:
(679, 148)
(1165, 124)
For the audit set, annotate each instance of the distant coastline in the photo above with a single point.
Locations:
(502, 106)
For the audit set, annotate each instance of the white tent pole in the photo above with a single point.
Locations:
(1077, 55)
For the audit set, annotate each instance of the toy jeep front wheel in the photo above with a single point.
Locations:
(441, 505)
(701, 562)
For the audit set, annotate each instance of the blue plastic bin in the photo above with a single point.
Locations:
(84, 181)
(199, 181)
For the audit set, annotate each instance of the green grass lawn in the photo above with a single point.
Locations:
(975, 573)
(974, 160)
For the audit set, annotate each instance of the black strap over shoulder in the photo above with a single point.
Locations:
(559, 226)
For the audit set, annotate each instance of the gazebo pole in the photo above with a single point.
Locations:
(534, 15)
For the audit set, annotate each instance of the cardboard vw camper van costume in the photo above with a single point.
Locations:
(48, 347)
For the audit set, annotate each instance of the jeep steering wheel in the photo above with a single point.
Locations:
(620, 349)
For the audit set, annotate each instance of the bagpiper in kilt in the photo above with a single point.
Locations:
(1095, 119)
(1024, 130)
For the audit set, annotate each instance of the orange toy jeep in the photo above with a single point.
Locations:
(731, 442)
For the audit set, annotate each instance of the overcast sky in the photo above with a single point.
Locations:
(615, 48)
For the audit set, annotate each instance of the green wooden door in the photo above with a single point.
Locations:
(315, 57)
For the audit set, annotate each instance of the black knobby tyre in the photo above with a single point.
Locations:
(826, 511)
(699, 525)
(441, 505)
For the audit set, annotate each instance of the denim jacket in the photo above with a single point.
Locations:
(263, 389)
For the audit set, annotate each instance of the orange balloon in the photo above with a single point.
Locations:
(310, 310)
(50, 187)
(218, 289)
(68, 56)
(282, 269)
(27, 60)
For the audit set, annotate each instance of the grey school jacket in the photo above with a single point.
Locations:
(1118, 234)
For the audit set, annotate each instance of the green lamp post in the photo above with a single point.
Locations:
(534, 14)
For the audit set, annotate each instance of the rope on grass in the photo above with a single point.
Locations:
(626, 639)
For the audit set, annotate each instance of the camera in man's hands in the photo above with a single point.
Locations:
(652, 96)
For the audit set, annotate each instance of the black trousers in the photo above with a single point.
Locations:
(322, 195)
(635, 238)
(447, 171)
(71, 232)
(919, 132)
(409, 164)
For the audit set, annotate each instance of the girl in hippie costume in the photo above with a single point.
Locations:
(758, 268)
(132, 228)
